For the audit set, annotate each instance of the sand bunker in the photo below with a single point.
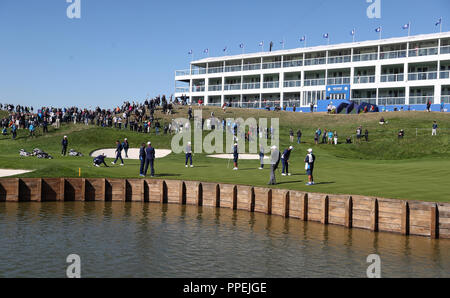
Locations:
(241, 156)
(9, 172)
(133, 153)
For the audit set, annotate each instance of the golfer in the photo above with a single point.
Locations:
(285, 161)
(64, 144)
(149, 159)
(188, 154)
(261, 156)
(118, 153)
(275, 157)
(100, 160)
(235, 156)
(125, 146)
(309, 166)
(142, 159)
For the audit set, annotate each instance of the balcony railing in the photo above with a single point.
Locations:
(315, 61)
(214, 104)
(420, 100)
(293, 83)
(182, 89)
(232, 87)
(271, 85)
(339, 59)
(445, 50)
(419, 76)
(291, 103)
(269, 65)
(338, 81)
(367, 100)
(423, 52)
(198, 88)
(255, 66)
(364, 79)
(445, 99)
(215, 88)
(314, 82)
(293, 63)
(184, 72)
(198, 71)
(246, 86)
(270, 103)
(393, 54)
(365, 57)
(392, 78)
(250, 104)
(388, 101)
(444, 74)
(215, 69)
(232, 68)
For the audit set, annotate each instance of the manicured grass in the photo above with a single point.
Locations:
(416, 168)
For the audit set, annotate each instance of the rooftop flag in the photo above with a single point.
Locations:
(438, 22)
(261, 43)
(303, 38)
(406, 26)
(241, 45)
(325, 35)
(225, 49)
(378, 29)
(206, 51)
(190, 52)
(352, 33)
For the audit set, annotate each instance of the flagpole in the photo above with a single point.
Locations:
(409, 28)
(440, 26)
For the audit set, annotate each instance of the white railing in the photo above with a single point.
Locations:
(364, 79)
(215, 88)
(314, 82)
(423, 52)
(271, 85)
(418, 76)
(445, 50)
(444, 74)
(338, 81)
(198, 88)
(255, 66)
(184, 72)
(292, 83)
(232, 87)
(215, 69)
(250, 104)
(392, 78)
(365, 57)
(270, 103)
(315, 61)
(232, 68)
(339, 59)
(182, 89)
(269, 65)
(389, 101)
(291, 103)
(445, 99)
(393, 54)
(293, 63)
(420, 100)
(246, 86)
(198, 71)
(367, 100)
(214, 104)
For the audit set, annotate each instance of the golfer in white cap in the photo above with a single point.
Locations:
(309, 166)
(274, 162)
(188, 153)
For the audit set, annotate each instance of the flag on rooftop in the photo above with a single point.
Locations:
(406, 26)
(439, 22)
(241, 45)
(225, 49)
(352, 33)
(206, 51)
(190, 52)
(303, 38)
(261, 43)
(325, 35)
(378, 29)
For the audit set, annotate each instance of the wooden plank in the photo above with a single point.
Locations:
(51, 190)
(245, 198)
(298, 205)
(73, 189)
(434, 222)
(30, 189)
(193, 193)
(95, 189)
(349, 212)
(176, 193)
(9, 190)
(228, 196)
(280, 202)
(263, 200)
(134, 190)
(154, 191)
(115, 189)
(211, 194)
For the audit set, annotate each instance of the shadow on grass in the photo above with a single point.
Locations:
(318, 183)
(289, 182)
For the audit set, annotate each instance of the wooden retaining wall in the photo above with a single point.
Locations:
(375, 214)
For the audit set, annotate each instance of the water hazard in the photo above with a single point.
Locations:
(153, 240)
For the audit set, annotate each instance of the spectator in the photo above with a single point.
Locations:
(64, 143)
(401, 134)
(261, 156)
(366, 135)
(434, 129)
(358, 134)
(335, 137)
(291, 135)
(299, 136)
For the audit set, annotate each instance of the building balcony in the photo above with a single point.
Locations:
(389, 101)
(339, 59)
(445, 50)
(393, 55)
(423, 52)
(314, 82)
(444, 74)
(228, 87)
(246, 86)
(198, 88)
(338, 81)
(419, 76)
(215, 69)
(255, 66)
(233, 68)
(271, 84)
(315, 61)
(420, 100)
(293, 63)
(365, 57)
(445, 99)
(184, 72)
(358, 101)
(392, 78)
(182, 89)
(364, 79)
(270, 65)
(198, 71)
(292, 83)
(215, 88)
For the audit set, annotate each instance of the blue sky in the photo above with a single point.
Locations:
(127, 49)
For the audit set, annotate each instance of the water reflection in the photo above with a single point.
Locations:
(116, 239)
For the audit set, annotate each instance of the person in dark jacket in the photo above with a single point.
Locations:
(142, 159)
(64, 143)
(299, 136)
(125, 147)
(275, 157)
(118, 153)
(235, 156)
(285, 161)
(149, 159)
(100, 160)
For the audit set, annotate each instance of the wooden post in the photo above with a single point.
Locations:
(434, 222)
(374, 215)
(305, 207)
(325, 210)
(349, 212)
(405, 218)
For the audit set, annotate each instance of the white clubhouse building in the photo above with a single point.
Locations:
(397, 71)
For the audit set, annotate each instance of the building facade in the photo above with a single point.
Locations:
(407, 71)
